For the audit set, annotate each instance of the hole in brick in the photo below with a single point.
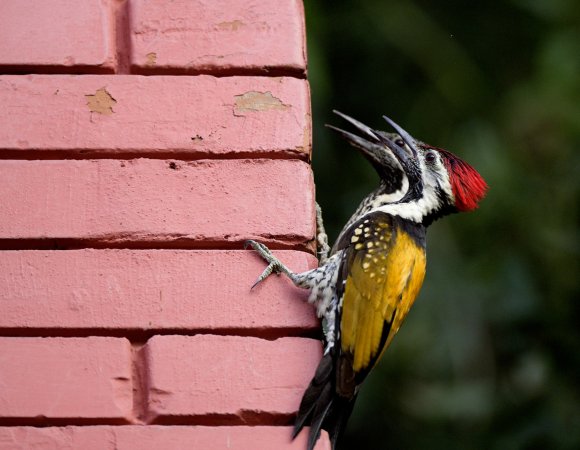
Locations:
(173, 166)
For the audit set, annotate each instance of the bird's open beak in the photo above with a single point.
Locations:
(373, 143)
(391, 161)
(369, 143)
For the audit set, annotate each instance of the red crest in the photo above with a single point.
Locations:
(467, 184)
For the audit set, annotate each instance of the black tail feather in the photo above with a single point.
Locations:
(337, 423)
(319, 414)
(322, 407)
(313, 393)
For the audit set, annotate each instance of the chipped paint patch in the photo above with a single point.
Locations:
(257, 101)
(101, 102)
(234, 25)
(151, 59)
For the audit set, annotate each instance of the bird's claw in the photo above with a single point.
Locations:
(262, 250)
(274, 265)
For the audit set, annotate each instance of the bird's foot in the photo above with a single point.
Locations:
(274, 264)
(323, 249)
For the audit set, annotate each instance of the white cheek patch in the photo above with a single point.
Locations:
(429, 202)
(445, 184)
(414, 211)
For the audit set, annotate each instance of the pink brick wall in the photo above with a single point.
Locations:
(141, 142)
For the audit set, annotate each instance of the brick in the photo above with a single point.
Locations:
(65, 378)
(264, 36)
(240, 378)
(154, 438)
(55, 291)
(185, 116)
(155, 201)
(65, 35)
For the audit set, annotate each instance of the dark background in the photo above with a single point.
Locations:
(489, 357)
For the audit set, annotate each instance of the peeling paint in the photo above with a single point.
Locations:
(257, 101)
(151, 58)
(234, 25)
(101, 102)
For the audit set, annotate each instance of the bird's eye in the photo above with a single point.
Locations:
(430, 157)
(400, 142)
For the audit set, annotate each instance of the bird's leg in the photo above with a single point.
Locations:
(274, 264)
(321, 237)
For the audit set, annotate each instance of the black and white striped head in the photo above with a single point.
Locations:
(437, 182)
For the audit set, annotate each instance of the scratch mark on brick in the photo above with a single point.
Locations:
(234, 25)
(101, 102)
(257, 101)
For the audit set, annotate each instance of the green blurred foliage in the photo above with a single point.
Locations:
(489, 358)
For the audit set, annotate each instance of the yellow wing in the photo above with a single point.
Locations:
(385, 270)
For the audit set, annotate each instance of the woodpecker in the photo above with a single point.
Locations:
(365, 287)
